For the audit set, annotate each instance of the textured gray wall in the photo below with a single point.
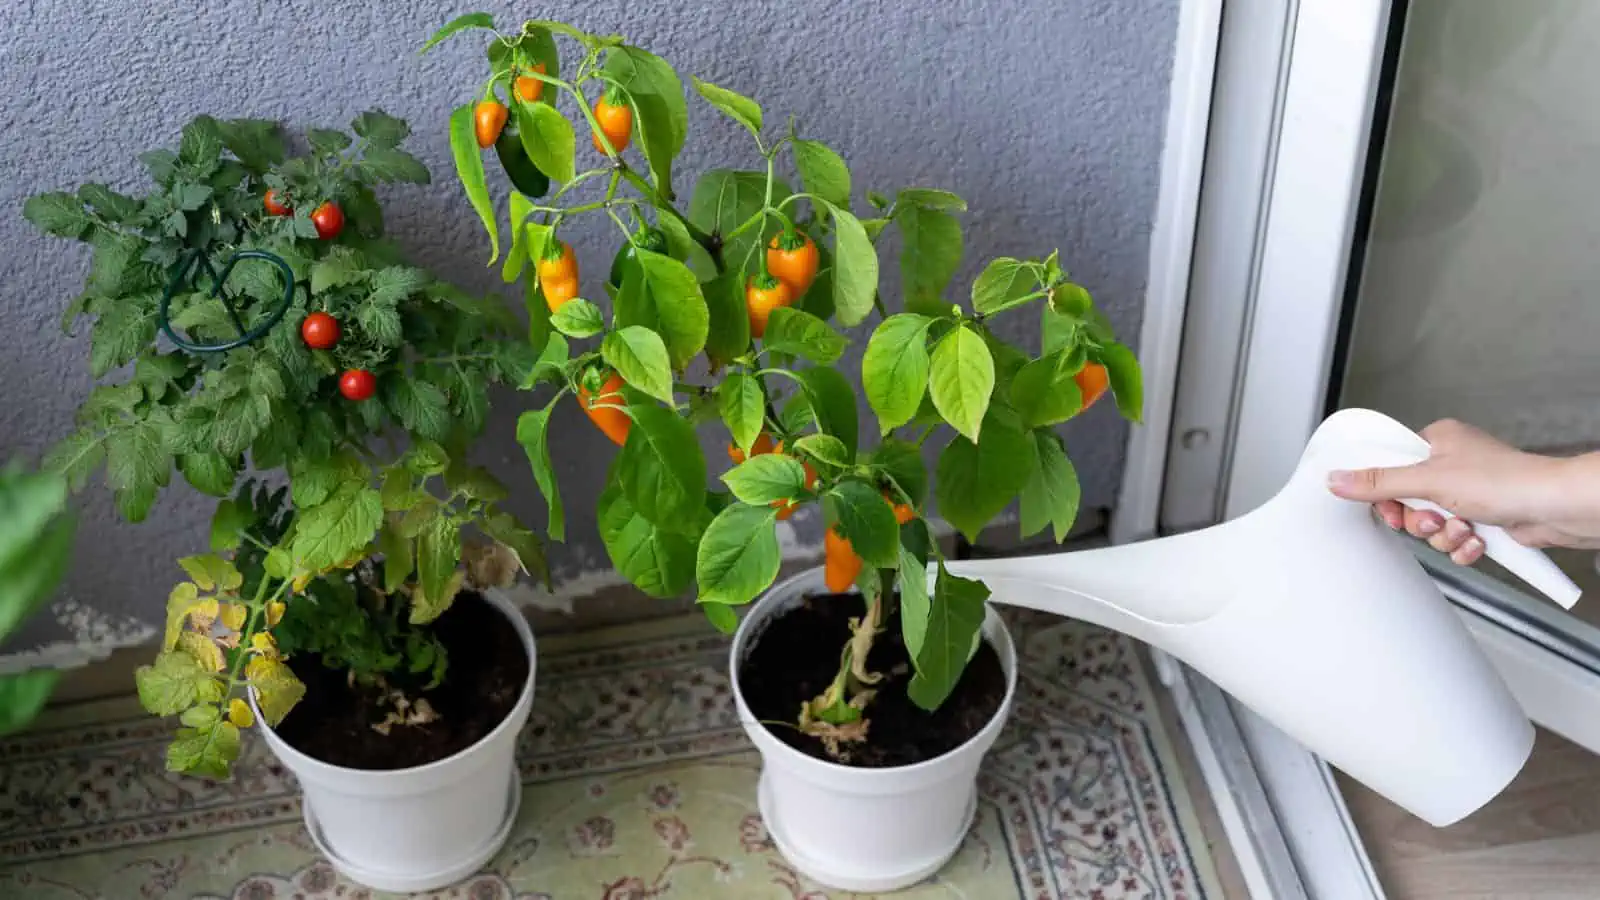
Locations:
(1045, 114)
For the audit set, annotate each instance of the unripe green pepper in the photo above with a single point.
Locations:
(524, 175)
(646, 238)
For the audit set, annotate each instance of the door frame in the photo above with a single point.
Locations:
(1289, 104)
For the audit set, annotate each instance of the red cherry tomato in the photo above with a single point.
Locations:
(320, 331)
(329, 219)
(275, 204)
(357, 385)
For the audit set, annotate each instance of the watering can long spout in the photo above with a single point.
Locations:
(1312, 614)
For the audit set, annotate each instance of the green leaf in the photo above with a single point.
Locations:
(548, 140)
(1127, 380)
(1071, 301)
(529, 549)
(976, 481)
(228, 524)
(334, 530)
(533, 429)
(824, 448)
(520, 207)
(258, 143)
(738, 556)
(327, 141)
(859, 512)
(930, 254)
(902, 461)
(109, 204)
(174, 683)
(855, 268)
(578, 318)
(723, 199)
(735, 106)
(1004, 283)
(392, 284)
(962, 380)
(1044, 392)
(657, 561)
(420, 406)
(640, 357)
(394, 165)
(766, 478)
(682, 318)
(833, 403)
(729, 334)
(739, 401)
(661, 116)
(438, 551)
(722, 618)
(661, 469)
(894, 370)
(682, 247)
(201, 145)
(210, 571)
(208, 752)
(1051, 495)
(23, 696)
(57, 213)
(469, 168)
(796, 332)
(137, 463)
(457, 25)
(914, 606)
(381, 322)
(76, 457)
(120, 335)
(955, 625)
(208, 471)
(336, 270)
(378, 127)
(930, 198)
(823, 172)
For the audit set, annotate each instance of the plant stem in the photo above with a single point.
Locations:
(650, 194)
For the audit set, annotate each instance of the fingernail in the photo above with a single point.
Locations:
(1341, 479)
(1474, 545)
(1428, 526)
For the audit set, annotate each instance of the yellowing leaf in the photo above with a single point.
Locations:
(204, 613)
(204, 751)
(277, 690)
(274, 612)
(211, 571)
(174, 683)
(239, 713)
(203, 649)
(232, 616)
(179, 602)
(264, 644)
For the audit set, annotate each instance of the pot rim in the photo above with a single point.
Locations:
(781, 591)
(495, 598)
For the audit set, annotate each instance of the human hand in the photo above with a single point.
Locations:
(1541, 501)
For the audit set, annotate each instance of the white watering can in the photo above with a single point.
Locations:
(1314, 615)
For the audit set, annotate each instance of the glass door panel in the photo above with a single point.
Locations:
(1478, 294)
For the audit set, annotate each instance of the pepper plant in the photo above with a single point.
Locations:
(757, 278)
(360, 383)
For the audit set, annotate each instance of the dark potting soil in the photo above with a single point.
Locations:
(488, 667)
(797, 656)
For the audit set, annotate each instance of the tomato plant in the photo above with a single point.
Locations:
(288, 569)
(757, 271)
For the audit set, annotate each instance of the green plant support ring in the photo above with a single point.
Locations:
(185, 271)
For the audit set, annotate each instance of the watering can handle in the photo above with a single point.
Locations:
(1362, 438)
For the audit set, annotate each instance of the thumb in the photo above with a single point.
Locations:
(1373, 485)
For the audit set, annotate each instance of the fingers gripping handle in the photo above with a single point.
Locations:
(1364, 439)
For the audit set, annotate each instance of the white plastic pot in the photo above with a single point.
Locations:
(858, 829)
(425, 827)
